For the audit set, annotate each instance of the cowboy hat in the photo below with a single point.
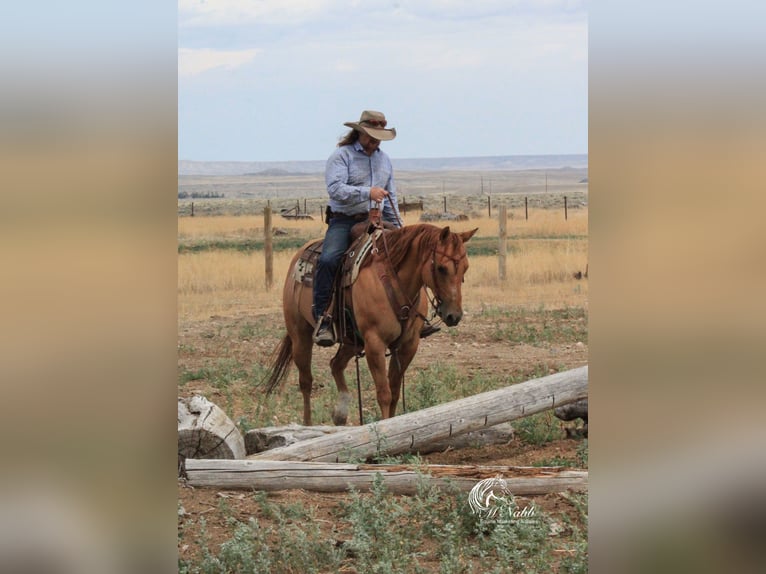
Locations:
(373, 123)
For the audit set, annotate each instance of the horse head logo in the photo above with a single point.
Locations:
(488, 496)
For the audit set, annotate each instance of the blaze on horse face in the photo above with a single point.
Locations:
(449, 263)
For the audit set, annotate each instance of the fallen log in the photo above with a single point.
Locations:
(267, 438)
(499, 434)
(204, 431)
(270, 475)
(414, 430)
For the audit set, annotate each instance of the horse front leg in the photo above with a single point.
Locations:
(375, 350)
(338, 366)
(400, 360)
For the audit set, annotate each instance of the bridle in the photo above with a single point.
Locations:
(404, 311)
(435, 301)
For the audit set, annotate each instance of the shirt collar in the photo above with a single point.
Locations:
(358, 147)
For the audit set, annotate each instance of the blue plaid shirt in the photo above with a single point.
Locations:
(350, 173)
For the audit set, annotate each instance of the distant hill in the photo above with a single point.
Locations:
(285, 168)
(275, 171)
(186, 167)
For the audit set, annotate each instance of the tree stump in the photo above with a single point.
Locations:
(204, 431)
(571, 412)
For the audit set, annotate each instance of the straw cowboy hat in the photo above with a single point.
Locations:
(373, 123)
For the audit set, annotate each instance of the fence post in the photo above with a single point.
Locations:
(268, 248)
(489, 206)
(192, 209)
(565, 209)
(526, 209)
(503, 237)
(445, 204)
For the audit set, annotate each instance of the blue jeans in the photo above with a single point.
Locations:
(336, 241)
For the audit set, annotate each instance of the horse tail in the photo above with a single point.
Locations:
(280, 364)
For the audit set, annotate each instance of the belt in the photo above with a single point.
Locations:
(355, 217)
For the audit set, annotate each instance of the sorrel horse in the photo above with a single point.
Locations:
(388, 310)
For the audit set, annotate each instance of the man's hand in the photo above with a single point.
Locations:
(378, 194)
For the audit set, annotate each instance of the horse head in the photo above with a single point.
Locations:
(444, 274)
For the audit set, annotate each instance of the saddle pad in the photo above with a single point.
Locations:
(304, 267)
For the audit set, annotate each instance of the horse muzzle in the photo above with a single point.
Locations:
(451, 318)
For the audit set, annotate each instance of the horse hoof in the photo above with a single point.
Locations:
(339, 419)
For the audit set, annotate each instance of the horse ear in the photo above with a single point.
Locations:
(466, 235)
(444, 234)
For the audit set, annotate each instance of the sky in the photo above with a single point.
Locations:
(274, 80)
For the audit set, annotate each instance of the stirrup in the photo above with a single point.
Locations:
(326, 337)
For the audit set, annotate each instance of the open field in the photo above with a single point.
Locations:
(543, 254)
(534, 323)
(466, 191)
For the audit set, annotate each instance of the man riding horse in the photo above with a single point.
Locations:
(358, 175)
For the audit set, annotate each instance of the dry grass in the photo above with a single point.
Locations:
(539, 266)
(542, 222)
(234, 226)
(539, 274)
(217, 282)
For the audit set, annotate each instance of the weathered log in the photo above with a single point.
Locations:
(204, 431)
(413, 430)
(501, 433)
(267, 438)
(272, 475)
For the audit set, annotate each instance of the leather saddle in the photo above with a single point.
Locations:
(363, 236)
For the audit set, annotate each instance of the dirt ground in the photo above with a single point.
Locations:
(240, 505)
(474, 347)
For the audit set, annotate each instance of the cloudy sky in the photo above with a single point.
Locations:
(271, 80)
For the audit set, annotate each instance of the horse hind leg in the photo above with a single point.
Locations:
(338, 365)
(302, 350)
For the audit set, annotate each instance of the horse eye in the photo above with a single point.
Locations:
(442, 269)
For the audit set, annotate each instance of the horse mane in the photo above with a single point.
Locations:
(400, 241)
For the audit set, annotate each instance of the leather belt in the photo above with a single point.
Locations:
(355, 217)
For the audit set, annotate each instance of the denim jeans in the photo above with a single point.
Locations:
(336, 241)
